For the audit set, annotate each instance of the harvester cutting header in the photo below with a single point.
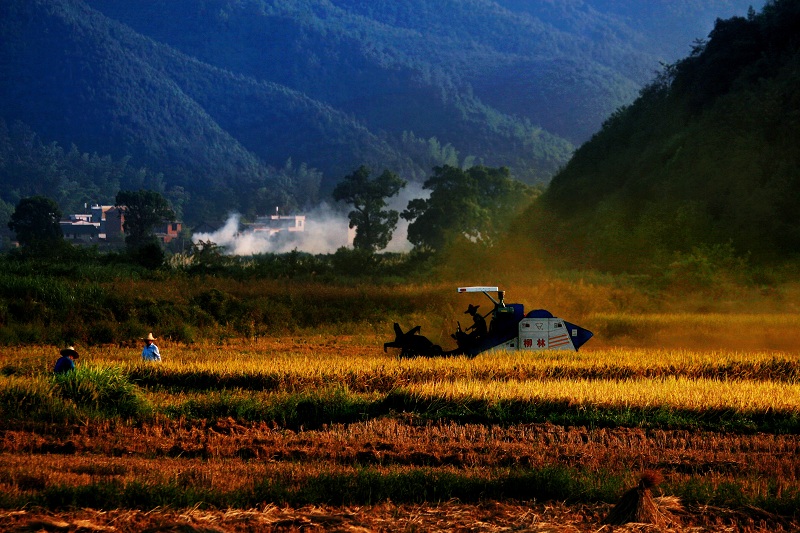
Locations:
(509, 329)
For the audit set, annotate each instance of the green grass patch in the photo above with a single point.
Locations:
(307, 409)
(102, 392)
(33, 399)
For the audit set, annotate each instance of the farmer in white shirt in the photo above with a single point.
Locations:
(150, 352)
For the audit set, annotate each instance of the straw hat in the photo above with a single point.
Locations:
(471, 309)
(70, 351)
(149, 337)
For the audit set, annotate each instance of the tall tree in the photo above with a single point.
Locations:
(374, 224)
(474, 204)
(36, 222)
(143, 211)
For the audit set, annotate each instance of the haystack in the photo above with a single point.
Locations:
(637, 505)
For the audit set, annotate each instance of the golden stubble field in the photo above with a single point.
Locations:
(706, 366)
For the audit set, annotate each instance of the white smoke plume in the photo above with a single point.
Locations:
(326, 230)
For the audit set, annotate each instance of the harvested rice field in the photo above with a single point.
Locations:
(316, 433)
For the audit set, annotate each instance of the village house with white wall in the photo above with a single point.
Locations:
(273, 224)
(105, 224)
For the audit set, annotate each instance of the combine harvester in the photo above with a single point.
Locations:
(510, 329)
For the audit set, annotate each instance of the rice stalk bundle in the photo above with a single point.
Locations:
(639, 506)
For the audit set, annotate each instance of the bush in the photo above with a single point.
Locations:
(131, 330)
(219, 304)
(31, 400)
(103, 332)
(180, 333)
(103, 391)
(707, 267)
(356, 263)
(34, 333)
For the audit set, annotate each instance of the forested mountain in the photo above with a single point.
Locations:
(706, 158)
(209, 99)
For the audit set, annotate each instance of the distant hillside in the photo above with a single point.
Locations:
(106, 89)
(217, 96)
(706, 156)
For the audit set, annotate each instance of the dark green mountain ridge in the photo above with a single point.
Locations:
(137, 97)
(705, 159)
(216, 96)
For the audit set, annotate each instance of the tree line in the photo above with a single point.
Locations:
(473, 205)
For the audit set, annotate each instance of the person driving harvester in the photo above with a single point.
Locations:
(478, 329)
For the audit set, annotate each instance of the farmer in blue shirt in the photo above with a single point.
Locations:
(66, 362)
(150, 352)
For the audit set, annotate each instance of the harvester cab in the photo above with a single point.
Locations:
(502, 326)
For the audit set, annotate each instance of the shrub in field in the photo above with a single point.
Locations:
(103, 332)
(26, 290)
(347, 262)
(27, 334)
(73, 330)
(102, 390)
(152, 311)
(707, 267)
(278, 317)
(130, 330)
(200, 317)
(8, 335)
(219, 304)
(31, 399)
(180, 332)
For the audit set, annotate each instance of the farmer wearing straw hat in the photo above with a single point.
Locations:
(150, 352)
(66, 363)
(478, 326)
(477, 331)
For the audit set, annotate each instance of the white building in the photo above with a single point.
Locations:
(273, 224)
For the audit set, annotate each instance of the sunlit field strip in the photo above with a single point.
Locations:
(694, 394)
(500, 365)
(339, 360)
(347, 360)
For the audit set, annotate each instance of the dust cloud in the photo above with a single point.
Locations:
(326, 230)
